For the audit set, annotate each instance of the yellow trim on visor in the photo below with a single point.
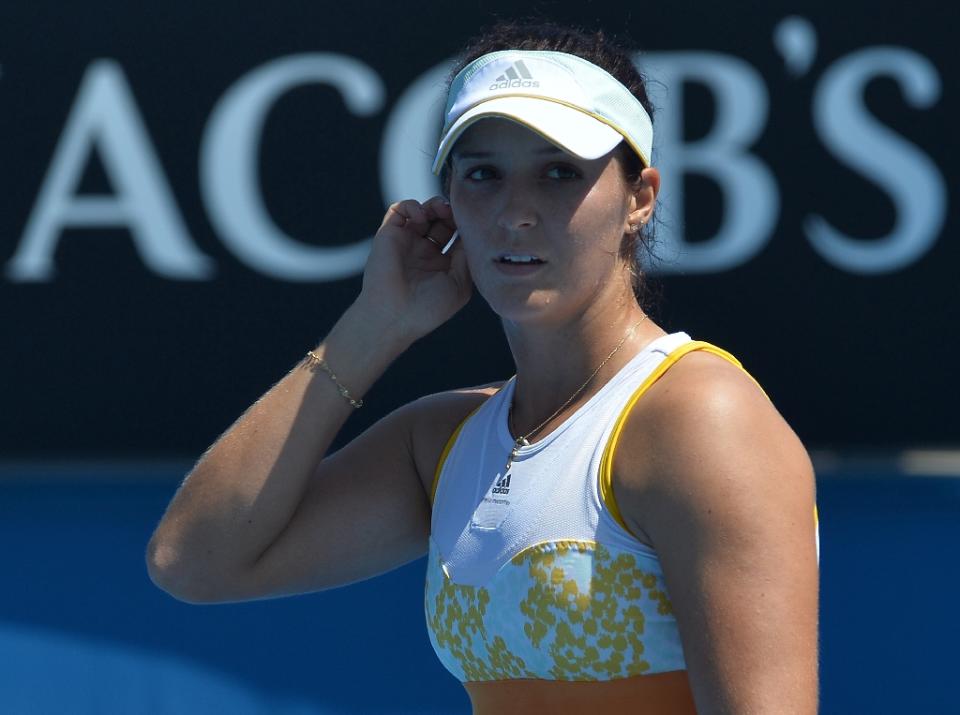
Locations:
(450, 137)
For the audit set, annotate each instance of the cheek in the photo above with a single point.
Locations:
(475, 257)
(472, 243)
(473, 223)
(600, 219)
(466, 213)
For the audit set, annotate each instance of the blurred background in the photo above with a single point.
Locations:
(188, 192)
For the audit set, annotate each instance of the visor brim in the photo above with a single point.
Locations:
(571, 129)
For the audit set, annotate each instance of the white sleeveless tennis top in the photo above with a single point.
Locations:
(532, 572)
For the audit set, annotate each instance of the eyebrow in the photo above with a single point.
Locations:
(487, 154)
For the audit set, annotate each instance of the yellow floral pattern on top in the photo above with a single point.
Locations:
(560, 610)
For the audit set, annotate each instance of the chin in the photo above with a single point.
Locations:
(538, 306)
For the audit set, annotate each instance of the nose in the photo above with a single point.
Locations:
(518, 211)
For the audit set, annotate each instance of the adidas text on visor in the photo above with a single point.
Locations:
(569, 101)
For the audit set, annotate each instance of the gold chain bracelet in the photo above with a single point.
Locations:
(316, 360)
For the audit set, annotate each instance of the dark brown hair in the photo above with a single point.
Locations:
(601, 50)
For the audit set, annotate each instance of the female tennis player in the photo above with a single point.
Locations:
(626, 525)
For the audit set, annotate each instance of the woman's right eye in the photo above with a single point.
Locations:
(480, 173)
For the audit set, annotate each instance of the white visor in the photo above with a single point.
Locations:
(569, 101)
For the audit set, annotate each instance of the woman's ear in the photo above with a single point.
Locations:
(644, 198)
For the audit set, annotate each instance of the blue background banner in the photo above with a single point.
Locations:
(84, 631)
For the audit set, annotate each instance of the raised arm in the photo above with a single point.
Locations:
(725, 494)
(264, 512)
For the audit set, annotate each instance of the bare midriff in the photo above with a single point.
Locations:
(657, 694)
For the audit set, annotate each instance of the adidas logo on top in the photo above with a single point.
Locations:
(503, 485)
(516, 76)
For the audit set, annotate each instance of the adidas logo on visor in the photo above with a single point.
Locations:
(516, 76)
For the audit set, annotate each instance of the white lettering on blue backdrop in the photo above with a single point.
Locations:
(104, 118)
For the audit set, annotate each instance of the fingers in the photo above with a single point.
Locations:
(431, 220)
(406, 212)
(442, 226)
(439, 208)
(418, 215)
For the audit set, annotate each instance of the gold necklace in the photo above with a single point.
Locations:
(521, 441)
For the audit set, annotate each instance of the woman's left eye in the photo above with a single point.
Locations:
(562, 171)
(480, 173)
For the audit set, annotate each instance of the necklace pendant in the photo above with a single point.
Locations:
(513, 455)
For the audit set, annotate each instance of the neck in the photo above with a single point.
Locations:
(553, 361)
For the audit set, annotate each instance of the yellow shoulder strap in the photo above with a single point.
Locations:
(446, 451)
(606, 463)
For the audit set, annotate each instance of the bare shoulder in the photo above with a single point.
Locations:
(715, 479)
(433, 420)
(707, 436)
